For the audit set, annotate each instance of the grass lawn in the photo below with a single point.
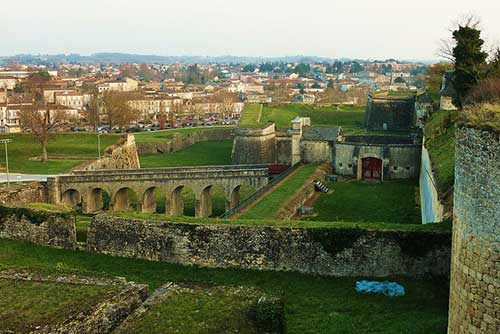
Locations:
(358, 201)
(313, 304)
(251, 117)
(197, 310)
(27, 304)
(268, 206)
(203, 153)
(164, 135)
(70, 145)
(346, 116)
(440, 141)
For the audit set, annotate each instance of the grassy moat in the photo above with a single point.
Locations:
(313, 304)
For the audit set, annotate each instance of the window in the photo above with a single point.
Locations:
(340, 164)
(350, 165)
(395, 167)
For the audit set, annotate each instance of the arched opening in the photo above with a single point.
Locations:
(203, 207)
(218, 199)
(125, 199)
(371, 169)
(72, 198)
(99, 200)
(153, 201)
(181, 202)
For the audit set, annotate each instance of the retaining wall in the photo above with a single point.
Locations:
(326, 251)
(39, 227)
(431, 207)
(120, 156)
(180, 141)
(35, 192)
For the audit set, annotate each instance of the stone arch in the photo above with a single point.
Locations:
(181, 201)
(234, 198)
(72, 198)
(150, 200)
(203, 205)
(98, 199)
(124, 199)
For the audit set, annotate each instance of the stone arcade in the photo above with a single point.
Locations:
(86, 188)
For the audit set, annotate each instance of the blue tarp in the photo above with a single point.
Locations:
(387, 288)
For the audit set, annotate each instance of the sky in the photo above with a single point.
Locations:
(366, 29)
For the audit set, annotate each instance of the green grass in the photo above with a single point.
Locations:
(197, 310)
(372, 226)
(251, 117)
(349, 117)
(313, 304)
(358, 201)
(268, 207)
(27, 304)
(199, 154)
(70, 145)
(440, 142)
(161, 136)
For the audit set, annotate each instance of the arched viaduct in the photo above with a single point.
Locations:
(85, 188)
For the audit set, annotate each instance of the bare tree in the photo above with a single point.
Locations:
(42, 120)
(118, 111)
(446, 45)
(93, 110)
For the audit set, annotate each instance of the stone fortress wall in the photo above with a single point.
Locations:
(180, 141)
(34, 192)
(252, 145)
(120, 156)
(475, 265)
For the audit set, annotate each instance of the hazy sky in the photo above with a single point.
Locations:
(405, 29)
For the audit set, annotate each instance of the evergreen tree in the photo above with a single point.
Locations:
(469, 59)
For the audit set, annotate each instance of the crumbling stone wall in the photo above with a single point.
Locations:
(475, 273)
(180, 141)
(316, 151)
(120, 156)
(254, 146)
(327, 251)
(55, 229)
(34, 192)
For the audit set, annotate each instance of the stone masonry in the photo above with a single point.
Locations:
(340, 252)
(475, 268)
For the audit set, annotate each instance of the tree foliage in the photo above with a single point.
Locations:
(117, 110)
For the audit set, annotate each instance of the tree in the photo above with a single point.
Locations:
(266, 67)
(356, 67)
(93, 110)
(249, 68)
(117, 110)
(434, 77)
(42, 120)
(302, 69)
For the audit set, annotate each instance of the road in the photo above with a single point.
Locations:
(16, 177)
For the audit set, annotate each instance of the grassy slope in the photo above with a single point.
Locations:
(353, 201)
(346, 116)
(197, 310)
(268, 206)
(74, 145)
(24, 305)
(314, 304)
(251, 116)
(164, 135)
(440, 141)
(199, 154)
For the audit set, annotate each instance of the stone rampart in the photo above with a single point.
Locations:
(180, 141)
(55, 229)
(119, 156)
(475, 268)
(34, 192)
(327, 251)
(254, 146)
(431, 206)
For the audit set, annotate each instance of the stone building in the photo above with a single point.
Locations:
(390, 111)
(363, 157)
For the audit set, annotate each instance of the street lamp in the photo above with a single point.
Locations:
(5, 141)
(99, 145)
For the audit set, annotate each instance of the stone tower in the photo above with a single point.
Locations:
(475, 265)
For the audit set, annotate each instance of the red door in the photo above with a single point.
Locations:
(372, 169)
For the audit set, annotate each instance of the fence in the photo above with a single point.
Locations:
(250, 199)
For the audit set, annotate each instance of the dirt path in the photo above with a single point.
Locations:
(269, 191)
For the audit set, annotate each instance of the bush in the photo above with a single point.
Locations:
(269, 315)
(487, 91)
